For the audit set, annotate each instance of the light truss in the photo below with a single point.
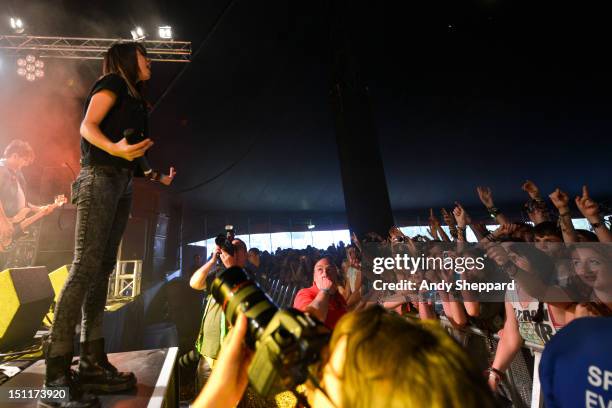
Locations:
(88, 48)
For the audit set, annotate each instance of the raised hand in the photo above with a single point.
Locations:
(505, 230)
(559, 199)
(462, 217)
(485, 195)
(433, 220)
(395, 234)
(448, 218)
(130, 152)
(587, 206)
(530, 188)
(497, 253)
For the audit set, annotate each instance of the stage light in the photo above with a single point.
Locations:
(138, 34)
(165, 32)
(311, 226)
(17, 25)
(30, 67)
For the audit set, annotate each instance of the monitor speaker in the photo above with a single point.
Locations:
(26, 295)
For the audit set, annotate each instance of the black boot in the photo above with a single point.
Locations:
(60, 376)
(97, 374)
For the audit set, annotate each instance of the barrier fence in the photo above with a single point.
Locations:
(522, 383)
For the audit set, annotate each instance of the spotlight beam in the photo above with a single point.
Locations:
(84, 48)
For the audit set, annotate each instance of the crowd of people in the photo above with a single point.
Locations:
(561, 274)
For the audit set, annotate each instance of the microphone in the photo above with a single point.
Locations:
(132, 138)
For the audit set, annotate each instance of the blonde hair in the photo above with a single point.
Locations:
(394, 362)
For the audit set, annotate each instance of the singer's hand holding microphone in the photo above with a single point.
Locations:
(128, 151)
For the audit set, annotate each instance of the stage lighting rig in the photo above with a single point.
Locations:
(17, 25)
(138, 34)
(165, 32)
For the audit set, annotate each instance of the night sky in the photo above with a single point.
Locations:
(464, 93)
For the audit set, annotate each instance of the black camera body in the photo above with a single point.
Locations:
(287, 343)
(224, 241)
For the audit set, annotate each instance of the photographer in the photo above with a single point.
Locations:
(421, 367)
(213, 328)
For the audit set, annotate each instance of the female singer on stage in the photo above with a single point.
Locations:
(103, 196)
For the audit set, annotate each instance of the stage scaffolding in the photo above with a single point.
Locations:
(88, 48)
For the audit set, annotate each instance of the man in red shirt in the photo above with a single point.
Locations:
(322, 299)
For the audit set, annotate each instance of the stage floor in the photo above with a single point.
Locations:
(154, 370)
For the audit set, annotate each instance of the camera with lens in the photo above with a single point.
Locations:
(224, 241)
(287, 343)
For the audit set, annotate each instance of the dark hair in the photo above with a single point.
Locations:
(20, 148)
(255, 251)
(587, 236)
(121, 59)
(547, 228)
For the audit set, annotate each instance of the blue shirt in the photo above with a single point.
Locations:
(576, 366)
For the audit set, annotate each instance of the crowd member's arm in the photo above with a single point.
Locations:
(426, 311)
(479, 229)
(521, 270)
(472, 307)
(319, 306)
(590, 209)
(561, 202)
(453, 310)
(486, 197)
(539, 214)
(509, 344)
(198, 279)
(229, 378)
(354, 297)
(356, 241)
(463, 219)
(99, 106)
(503, 230)
(435, 225)
(450, 220)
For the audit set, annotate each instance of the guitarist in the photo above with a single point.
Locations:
(17, 155)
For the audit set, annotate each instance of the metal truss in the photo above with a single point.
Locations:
(88, 48)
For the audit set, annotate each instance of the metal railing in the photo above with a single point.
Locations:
(282, 293)
(515, 374)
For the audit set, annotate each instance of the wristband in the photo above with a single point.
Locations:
(493, 211)
(499, 376)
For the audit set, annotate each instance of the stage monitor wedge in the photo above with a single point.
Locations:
(25, 297)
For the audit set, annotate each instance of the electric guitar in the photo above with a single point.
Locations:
(21, 222)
